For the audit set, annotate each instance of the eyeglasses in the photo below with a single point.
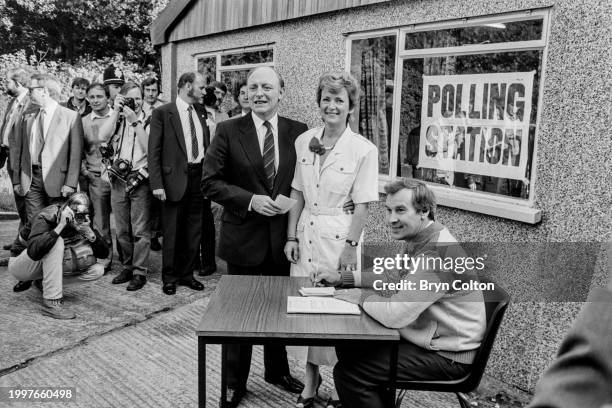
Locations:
(31, 88)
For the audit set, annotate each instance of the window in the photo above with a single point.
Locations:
(455, 104)
(232, 66)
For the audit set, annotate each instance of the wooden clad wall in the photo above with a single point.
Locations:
(215, 16)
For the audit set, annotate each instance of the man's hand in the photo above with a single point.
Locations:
(328, 278)
(349, 207)
(119, 102)
(349, 295)
(129, 115)
(65, 218)
(18, 190)
(264, 205)
(348, 258)
(292, 251)
(160, 194)
(66, 191)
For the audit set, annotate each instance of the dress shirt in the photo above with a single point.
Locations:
(261, 134)
(11, 117)
(183, 107)
(133, 148)
(49, 112)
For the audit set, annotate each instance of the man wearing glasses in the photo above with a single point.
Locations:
(50, 149)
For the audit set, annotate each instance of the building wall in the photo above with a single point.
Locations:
(573, 157)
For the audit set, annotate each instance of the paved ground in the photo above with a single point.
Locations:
(139, 349)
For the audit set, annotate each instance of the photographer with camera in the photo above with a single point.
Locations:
(59, 249)
(130, 194)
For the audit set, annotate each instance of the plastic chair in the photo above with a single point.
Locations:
(496, 303)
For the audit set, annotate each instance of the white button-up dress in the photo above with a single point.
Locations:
(350, 171)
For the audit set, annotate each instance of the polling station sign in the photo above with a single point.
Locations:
(476, 124)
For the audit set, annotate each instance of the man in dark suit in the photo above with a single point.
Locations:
(178, 139)
(250, 162)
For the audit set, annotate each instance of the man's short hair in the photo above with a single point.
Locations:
(98, 85)
(19, 75)
(150, 81)
(236, 92)
(186, 78)
(220, 85)
(50, 83)
(128, 86)
(423, 199)
(281, 81)
(80, 82)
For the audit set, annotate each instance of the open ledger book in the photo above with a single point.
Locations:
(317, 304)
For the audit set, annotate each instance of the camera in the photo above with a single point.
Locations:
(130, 103)
(106, 150)
(120, 169)
(135, 179)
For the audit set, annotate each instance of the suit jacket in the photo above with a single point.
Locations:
(13, 135)
(167, 154)
(581, 375)
(61, 152)
(233, 173)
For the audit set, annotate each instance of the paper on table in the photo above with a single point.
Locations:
(325, 291)
(284, 202)
(323, 305)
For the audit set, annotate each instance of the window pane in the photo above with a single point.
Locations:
(480, 129)
(208, 68)
(481, 34)
(232, 79)
(373, 65)
(247, 57)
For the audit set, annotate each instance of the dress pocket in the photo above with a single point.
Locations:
(340, 177)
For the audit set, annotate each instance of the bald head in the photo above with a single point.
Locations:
(265, 89)
(281, 81)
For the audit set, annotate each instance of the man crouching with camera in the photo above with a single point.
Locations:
(126, 162)
(59, 248)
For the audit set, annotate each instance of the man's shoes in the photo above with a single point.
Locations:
(208, 270)
(22, 285)
(169, 288)
(137, 282)
(124, 276)
(193, 284)
(55, 308)
(7, 247)
(155, 245)
(234, 396)
(288, 383)
(38, 285)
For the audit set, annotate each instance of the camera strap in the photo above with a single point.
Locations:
(123, 130)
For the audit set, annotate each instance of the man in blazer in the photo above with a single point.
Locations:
(16, 82)
(49, 155)
(250, 162)
(177, 143)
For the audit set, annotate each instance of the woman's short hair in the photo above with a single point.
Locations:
(423, 199)
(335, 81)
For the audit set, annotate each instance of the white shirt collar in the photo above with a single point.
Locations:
(94, 115)
(259, 122)
(181, 104)
(21, 97)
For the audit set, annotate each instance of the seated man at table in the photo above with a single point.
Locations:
(61, 248)
(440, 327)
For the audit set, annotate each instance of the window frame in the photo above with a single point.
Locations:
(219, 53)
(480, 202)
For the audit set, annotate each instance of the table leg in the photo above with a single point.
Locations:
(393, 373)
(201, 372)
(223, 375)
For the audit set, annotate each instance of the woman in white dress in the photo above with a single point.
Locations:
(334, 165)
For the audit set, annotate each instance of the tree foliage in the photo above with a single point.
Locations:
(71, 29)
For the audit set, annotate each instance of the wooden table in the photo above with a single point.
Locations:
(253, 310)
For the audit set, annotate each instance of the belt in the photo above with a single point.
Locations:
(316, 210)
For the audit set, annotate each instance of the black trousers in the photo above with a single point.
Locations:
(37, 198)
(207, 241)
(362, 372)
(181, 225)
(239, 356)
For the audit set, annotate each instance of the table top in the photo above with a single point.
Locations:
(256, 307)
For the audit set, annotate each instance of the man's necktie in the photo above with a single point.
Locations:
(195, 151)
(268, 155)
(40, 141)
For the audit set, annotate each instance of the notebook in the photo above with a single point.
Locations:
(322, 291)
(318, 305)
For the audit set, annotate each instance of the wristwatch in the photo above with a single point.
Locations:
(352, 243)
(138, 122)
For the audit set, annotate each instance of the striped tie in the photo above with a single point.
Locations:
(268, 155)
(195, 152)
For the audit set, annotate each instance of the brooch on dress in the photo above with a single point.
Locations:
(316, 146)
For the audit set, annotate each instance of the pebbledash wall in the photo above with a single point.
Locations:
(571, 183)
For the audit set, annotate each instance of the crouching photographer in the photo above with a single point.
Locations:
(59, 248)
(130, 194)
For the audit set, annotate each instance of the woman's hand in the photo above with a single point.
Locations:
(348, 259)
(292, 251)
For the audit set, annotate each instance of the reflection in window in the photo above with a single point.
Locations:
(373, 65)
(527, 30)
(207, 66)
(247, 57)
